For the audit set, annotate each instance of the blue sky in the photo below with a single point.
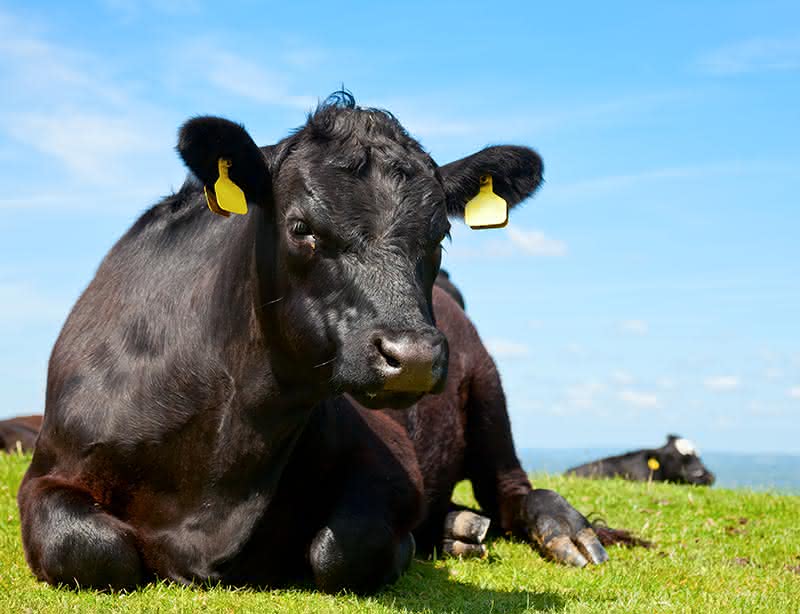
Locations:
(650, 287)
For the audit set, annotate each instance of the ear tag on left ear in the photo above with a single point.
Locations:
(229, 195)
(653, 464)
(211, 200)
(487, 209)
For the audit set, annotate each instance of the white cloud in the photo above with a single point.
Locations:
(642, 400)
(536, 243)
(510, 243)
(773, 373)
(68, 104)
(794, 392)
(622, 377)
(722, 383)
(753, 55)
(237, 75)
(635, 327)
(90, 145)
(503, 348)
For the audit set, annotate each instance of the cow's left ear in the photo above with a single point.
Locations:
(516, 172)
(204, 141)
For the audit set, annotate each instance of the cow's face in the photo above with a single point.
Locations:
(680, 462)
(355, 214)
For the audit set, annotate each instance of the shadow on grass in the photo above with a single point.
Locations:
(426, 588)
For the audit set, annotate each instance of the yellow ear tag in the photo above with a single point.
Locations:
(653, 464)
(211, 200)
(487, 209)
(229, 195)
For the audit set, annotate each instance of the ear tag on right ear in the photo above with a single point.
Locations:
(487, 209)
(229, 195)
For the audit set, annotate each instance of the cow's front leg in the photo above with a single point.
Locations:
(359, 552)
(560, 531)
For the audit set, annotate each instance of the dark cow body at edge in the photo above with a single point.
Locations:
(195, 425)
(673, 464)
(19, 434)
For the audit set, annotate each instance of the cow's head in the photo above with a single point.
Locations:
(680, 462)
(353, 213)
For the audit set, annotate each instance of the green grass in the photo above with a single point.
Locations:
(715, 551)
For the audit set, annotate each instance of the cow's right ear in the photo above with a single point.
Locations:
(204, 141)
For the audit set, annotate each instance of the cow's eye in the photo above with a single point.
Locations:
(301, 229)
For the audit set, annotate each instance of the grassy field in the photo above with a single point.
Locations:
(715, 551)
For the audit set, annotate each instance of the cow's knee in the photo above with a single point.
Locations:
(70, 541)
(359, 556)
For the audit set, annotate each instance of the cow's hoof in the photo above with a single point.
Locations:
(560, 531)
(466, 526)
(463, 550)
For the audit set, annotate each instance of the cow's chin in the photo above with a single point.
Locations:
(387, 399)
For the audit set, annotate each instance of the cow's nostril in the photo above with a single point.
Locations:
(409, 362)
(391, 358)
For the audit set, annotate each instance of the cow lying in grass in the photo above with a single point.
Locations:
(209, 400)
(19, 434)
(676, 461)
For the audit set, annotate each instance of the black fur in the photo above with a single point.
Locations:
(195, 424)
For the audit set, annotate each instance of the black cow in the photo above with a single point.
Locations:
(19, 434)
(195, 427)
(676, 461)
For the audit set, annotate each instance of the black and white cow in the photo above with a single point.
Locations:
(676, 461)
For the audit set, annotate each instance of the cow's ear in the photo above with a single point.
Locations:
(205, 141)
(516, 172)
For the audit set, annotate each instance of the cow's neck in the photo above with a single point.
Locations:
(246, 329)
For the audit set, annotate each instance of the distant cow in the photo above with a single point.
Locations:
(19, 434)
(676, 461)
(196, 425)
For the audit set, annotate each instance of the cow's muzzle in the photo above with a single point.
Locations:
(412, 362)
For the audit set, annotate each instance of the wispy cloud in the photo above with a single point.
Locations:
(68, 104)
(87, 144)
(504, 348)
(536, 243)
(513, 242)
(753, 55)
(236, 75)
(794, 392)
(722, 383)
(638, 399)
(634, 327)
(622, 377)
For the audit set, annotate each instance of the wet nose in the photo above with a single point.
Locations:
(412, 362)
